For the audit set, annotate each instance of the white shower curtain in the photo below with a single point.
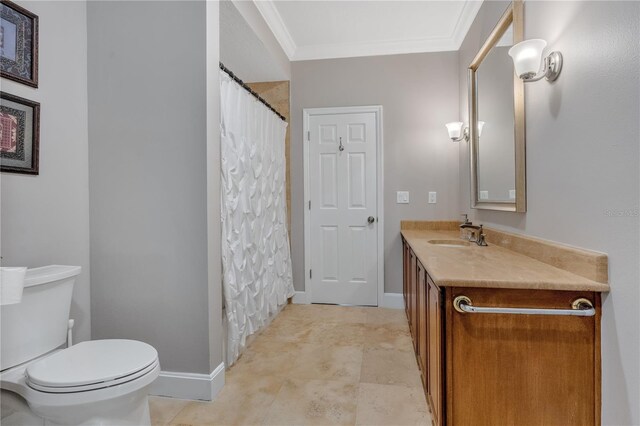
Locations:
(256, 260)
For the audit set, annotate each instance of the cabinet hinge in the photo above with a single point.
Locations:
(309, 204)
(309, 135)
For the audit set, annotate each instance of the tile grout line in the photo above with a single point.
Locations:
(359, 385)
(177, 413)
(275, 396)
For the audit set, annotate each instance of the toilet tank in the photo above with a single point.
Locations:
(39, 323)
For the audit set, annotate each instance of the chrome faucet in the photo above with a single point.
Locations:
(480, 239)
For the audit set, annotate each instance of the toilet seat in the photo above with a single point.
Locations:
(94, 386)
(92, 365)
(44, 403)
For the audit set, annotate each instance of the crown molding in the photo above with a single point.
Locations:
(275, 22)
(467, 16)
(273, 19)
(375, 48)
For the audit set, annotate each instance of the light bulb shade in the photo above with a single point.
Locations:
(454, 129)
(480, 126)
(527, 57)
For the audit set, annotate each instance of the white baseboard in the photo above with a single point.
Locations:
(300, 298)
(390, 300)
(393, 301)
(203, 387)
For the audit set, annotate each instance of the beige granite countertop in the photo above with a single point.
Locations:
(491, 267)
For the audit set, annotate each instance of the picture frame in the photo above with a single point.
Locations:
(18, 44)
(19, 135)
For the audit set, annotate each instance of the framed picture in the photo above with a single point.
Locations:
(18, 44)
(19, 134)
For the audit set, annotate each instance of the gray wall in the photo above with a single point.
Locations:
(583, 180)
(214, 230)
(148, 178)
(419, 94)
(45, 218)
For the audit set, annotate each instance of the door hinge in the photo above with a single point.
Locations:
(310, 273)
(309, 135)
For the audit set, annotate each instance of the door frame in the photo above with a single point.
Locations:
(307, 113)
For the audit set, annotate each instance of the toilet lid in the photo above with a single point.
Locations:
(92, 362)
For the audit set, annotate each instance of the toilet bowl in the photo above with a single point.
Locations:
(99, 382)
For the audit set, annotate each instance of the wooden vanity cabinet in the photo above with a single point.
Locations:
(424, 312)
(495, 369)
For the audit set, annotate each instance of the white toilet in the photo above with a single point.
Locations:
(99, 382)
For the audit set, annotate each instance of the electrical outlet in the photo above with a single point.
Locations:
(512, 194)
(433, 197)
(484, 195)
(402, 197)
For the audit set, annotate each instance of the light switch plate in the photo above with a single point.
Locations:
(484, 195)
(433, 197)
(402, 197)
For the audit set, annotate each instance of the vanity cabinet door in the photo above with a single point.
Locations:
(405, 274)
(422, 324)
(410, 267)
(522, 369)
(435, 385)
(413, 298)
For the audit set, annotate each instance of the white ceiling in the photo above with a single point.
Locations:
(336, 29)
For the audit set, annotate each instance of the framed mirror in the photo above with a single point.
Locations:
(496, 120)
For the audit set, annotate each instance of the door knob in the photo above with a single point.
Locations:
(370, 220)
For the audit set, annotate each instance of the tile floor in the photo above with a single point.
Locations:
(316, 365)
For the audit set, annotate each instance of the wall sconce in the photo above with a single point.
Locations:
(527, 57)
(458, 133)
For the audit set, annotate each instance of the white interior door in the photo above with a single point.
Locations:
(343, 208)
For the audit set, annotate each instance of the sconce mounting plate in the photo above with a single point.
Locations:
(553, 65)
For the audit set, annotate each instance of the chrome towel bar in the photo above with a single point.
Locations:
(579, 308)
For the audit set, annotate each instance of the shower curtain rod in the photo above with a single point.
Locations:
(248, 89)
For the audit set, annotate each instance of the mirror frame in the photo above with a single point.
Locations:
(513, 15)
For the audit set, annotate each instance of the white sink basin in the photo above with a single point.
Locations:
(450, 243)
